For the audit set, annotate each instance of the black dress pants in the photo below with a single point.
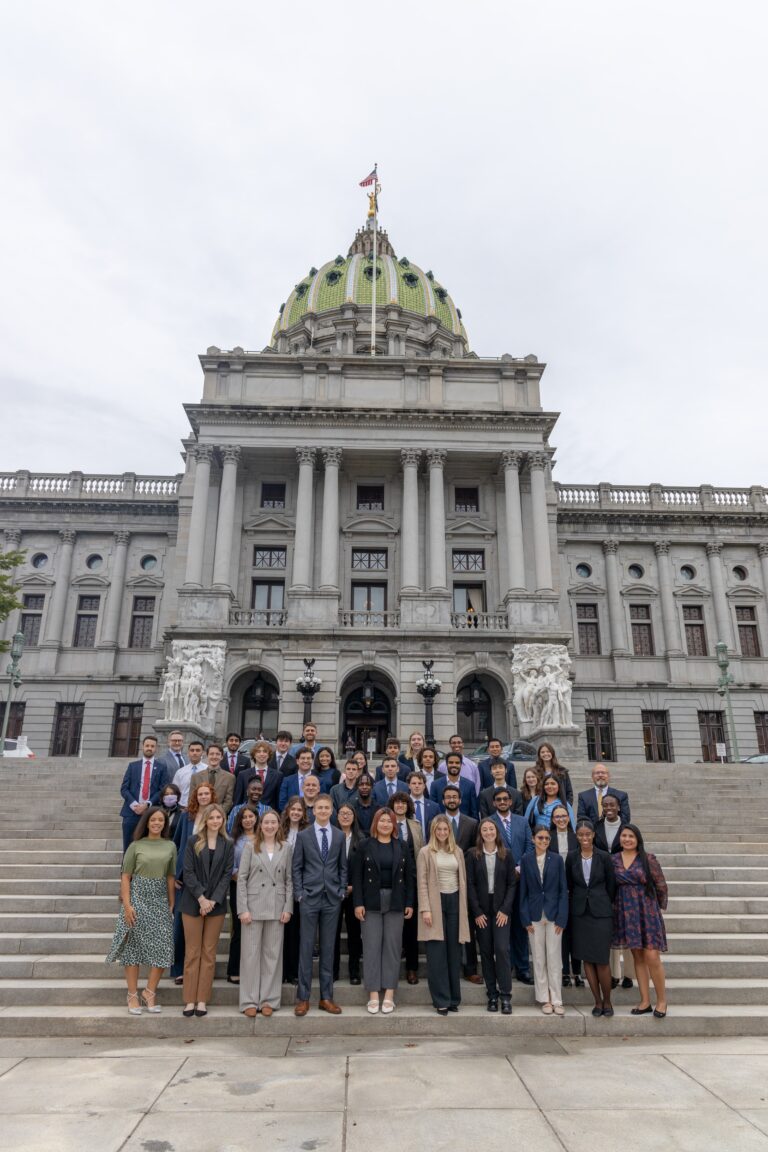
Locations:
(494, 956)
(233, 963)
(354, 939)
(291, 947)
(444, 957)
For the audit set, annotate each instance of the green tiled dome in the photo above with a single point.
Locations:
(350, 280)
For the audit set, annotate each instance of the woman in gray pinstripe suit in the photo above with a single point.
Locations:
(265, 904)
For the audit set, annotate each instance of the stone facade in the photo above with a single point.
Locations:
(371, 513)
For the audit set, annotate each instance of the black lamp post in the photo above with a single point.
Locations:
(17, 647)
(428, 686)
(308, 685)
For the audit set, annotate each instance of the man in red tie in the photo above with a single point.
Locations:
(142, 785)
(235, 760)
(260, 768)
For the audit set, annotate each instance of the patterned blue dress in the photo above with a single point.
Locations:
(637, 919)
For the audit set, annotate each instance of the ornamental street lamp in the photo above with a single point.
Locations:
(428, 686)
(13, 670)
(724, 689)
(308, 685)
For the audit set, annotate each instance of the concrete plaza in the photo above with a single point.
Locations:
(327, 1094)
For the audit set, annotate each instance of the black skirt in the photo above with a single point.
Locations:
(591, 938)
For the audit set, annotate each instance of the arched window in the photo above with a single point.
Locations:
(261, 705)
(473, 714)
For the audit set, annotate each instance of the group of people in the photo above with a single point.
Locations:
(421, 851)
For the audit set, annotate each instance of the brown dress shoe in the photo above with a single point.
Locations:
(412, 977)
(329, 1006)
(474, 978)
(301, 1007)
(266, 1010)
(251, 1012)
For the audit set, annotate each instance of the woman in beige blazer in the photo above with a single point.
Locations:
(443, 921)
(265, 904)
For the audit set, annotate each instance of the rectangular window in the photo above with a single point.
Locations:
(364, 558)
(695, 637)
(469, 598)
(273, 495)
(126, 729)
(15, 720)
(370, 497)
(588, 629)
(712, 733)
(31, 619)
(85, 621)
(468, 561)
(598, 724)
(269, 557)
(142, 621)
(67, 728)
(746, 621)
(761, 727)
(658, 746)
(267, 595)
(467, 500)
(642, 629)
(369, 604)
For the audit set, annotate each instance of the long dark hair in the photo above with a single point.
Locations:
(285, 819)
(554, 763)
(142, 828)
(409, 810)
(329, 767)
(642, 855)
(479, 845)
(354, 830)
(237, 826)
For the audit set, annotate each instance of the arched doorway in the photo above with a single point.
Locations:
(260, 708)
(366, 714)
(474, 713)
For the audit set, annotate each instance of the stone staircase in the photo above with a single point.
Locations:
(59, 879)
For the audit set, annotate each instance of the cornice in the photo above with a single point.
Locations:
(90, 506)
(604, 516)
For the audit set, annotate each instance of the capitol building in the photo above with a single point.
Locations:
(370, 513)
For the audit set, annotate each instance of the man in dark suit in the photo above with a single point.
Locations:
(424, 810)
(392, 749)
(142, 786)
(591, 801)
(294, 785)
(466, 787)
(281, 757)
(498, 771)
(173, 758)
(494, 755)
(235, 760)
(516, 832)
(389, 783)
(465, 835)
(259, 766)
(319, 885)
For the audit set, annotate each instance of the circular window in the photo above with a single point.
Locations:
(636, 571)
(584, 571)
(740, 572)
(148, 563)
(94, 562)
(39, 560)
(687, 572)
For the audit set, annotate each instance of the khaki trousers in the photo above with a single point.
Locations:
(201, 935)
(547, 963)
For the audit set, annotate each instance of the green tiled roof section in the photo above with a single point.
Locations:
(411, 298)
(331, 295)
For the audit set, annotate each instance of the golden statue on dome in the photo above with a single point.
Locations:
(371, 205)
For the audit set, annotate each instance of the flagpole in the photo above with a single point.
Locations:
(375, 234)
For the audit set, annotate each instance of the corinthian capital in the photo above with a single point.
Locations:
(332, 457)
(305, 455)
(67, 535)
(121, 538)
(537, 460)
(12, 538)
(610, 546)
(202, 452)
(714, 549)
(762, 548)
(436, 457)
(661, 547)
(512, 460)
(230, 453)
(410, 457)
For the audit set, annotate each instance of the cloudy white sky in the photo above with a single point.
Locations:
(587, 179)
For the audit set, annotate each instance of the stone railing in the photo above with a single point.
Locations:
(78, 486)
(258, 617)
(659, 498)
(369, 619)
(482, 621)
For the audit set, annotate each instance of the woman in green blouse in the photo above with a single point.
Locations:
(144, 931)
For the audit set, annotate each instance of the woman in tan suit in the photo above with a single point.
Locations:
(265, 904)
(443, 921)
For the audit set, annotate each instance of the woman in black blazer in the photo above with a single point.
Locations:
(591, 888)
(346, 820)
(564, 841)
(209, 859)
(383, 891)
(491, 910)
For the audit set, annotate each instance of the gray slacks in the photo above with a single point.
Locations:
(323, 914)
(382, 945)
(261, 963)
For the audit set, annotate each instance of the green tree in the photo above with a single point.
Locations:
(8, 600)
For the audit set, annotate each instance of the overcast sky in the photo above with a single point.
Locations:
(587, 179)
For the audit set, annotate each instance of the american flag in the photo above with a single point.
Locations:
(369, 180)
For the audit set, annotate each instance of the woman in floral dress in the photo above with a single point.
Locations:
(641, 894)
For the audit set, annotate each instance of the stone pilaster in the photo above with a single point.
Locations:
(615, 610)
(329, 547)
(537, 463)
(225, 525)
(302, 548)
(762, 551)
(111, 624)
(672, 644)
(511, 462)
(717, 584)
(409, 524)
(437, 571)
(55, 621)
(203, 454)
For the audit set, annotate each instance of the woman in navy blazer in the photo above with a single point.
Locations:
(544, 913)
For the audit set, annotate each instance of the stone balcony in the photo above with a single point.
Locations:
(379, 621)
(659, 498)
(79, 486)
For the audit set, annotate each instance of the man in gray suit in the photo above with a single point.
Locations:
(174, 757)
(320, 885)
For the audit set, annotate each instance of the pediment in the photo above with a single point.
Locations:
(144, 581)
(34, 580)
(744, 592)
(692, 592)
(92, 580)
(269, 524)
(468, 528)
(637, 589)
(369, 526)
(584, 589)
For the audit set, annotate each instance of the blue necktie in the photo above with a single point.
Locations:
(418, 815)
(391, 787)
(507, 833)
(324, 845)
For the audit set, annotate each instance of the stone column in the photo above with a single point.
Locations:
(672, 643)
(329, 545)
(12, 540)
(510, 462)
(409, 524)
(537, 462)
(198, 518)
(111, 626)
(722, 615)
(437, 574)
(225, 525)
(762, 551)
(55, 621)
(302, 547)
(615, 610)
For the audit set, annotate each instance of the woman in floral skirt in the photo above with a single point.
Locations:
(641, 894)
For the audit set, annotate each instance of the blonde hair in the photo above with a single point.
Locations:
(200, 826)
(433, 843)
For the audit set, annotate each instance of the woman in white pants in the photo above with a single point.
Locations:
(265, 904)
(544, 914)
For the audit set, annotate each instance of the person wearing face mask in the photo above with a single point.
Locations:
(170, 798)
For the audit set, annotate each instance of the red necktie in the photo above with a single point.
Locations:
(145, 782)
(232, 762)
(261, 774)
